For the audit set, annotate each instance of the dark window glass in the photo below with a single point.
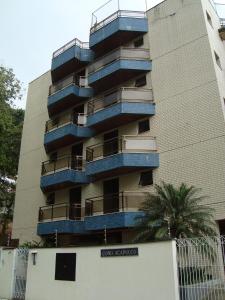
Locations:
(146, 178)
(65, 266)
(143, 126)
(51, 199)
(139, 42)
(141, 81)
(53, 157)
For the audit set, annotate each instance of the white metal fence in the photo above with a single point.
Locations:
(201, 268)
(20, 274)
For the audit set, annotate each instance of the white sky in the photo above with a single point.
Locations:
(30, 30)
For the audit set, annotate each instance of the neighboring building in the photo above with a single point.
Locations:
(144, 102)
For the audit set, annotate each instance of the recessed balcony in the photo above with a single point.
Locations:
(68, 92)
(117, 29)
(70, 58)
(222, 30)
(119, 107)
(117, 67)
(66, 129)
(114, 211)
(65, 171)
(121, 155)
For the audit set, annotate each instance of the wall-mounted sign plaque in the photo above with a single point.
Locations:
(119, 252)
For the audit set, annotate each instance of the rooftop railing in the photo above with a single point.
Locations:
(115, 15)
(80, 81)
(62, 163)
(117, 202)
(119, 53)
(74, 42)
(63, 119)
(123, 94)
(127, 144)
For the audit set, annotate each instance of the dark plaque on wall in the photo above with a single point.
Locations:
(119, 252)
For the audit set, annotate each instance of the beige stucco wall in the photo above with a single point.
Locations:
(189, 120)
(109, 277)
(29, 196)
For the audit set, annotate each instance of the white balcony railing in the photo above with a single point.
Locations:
(123, 94)
(119, 53)
(80, 81)
(74, 42)
(125, 144)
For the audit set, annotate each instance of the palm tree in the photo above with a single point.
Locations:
(175, 213)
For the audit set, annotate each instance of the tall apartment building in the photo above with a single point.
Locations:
(141, 103)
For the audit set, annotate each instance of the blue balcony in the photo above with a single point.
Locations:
(70, 58)
(70, 91)
(117, 67)
(117, 29)
(63, 172)
(119, 211)
(60, 135)
(121, 155)
(112, 221)
(120, 107)
(120, 220)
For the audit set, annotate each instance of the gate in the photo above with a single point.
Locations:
(201, 268)
(20, 273)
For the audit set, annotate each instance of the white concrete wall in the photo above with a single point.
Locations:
(6, 273)
(151, 275)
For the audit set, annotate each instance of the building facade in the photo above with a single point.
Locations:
(141, 103)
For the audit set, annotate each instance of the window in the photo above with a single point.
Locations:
(53, 157)
(141, 81)
(50, 199)
(143, 126)
(218, 60)
(65, 266)
(139, 42)
(209, 18)
(146, 178)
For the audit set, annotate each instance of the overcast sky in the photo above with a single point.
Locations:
(31, 30)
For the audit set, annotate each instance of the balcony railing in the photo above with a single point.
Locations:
(115, 15)
(118, 202)
(62, 163)
(80, 81)
(222, 21)
(123, 94)
(127, 144)
(74, 42)
(61, 211)
(119, 53)
(74, 118)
